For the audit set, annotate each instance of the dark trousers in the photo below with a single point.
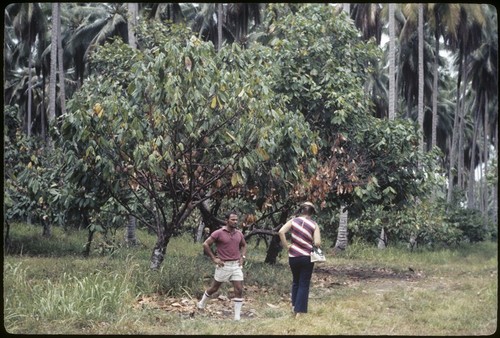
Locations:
(302, 269)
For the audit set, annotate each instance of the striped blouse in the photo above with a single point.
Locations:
(302, 237)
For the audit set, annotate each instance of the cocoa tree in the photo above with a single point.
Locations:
(173, 124)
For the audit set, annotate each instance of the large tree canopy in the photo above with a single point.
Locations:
(173, 124)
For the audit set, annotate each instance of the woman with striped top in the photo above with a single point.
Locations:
(305, 233)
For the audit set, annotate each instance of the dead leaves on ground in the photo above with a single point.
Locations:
(219, 307)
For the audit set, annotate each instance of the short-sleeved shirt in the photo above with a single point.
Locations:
(302, 237)
(228, 243)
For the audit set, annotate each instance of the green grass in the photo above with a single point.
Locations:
(49, 288)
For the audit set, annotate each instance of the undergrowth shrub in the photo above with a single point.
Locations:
(427, 223)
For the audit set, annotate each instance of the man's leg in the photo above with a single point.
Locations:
(238, 298)
(209, 292)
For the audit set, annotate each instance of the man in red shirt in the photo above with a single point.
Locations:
(231, 250)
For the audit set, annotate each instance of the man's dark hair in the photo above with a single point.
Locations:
(229, 213)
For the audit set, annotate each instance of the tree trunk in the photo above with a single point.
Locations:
(274, 247)
(132, 23)
(471, 199)
(341, 243)
(392, 93)
(208, 215)
(454, 139)
(131, 237)
(486, 144)
(495, 187)
(382, 240)
(53, 65)
(160, 247)
(461, 128)
(90, 236)
(30, 96)
(435, 87)
(273, 250)
(346, 7)
(219, 26)
(421, 74)
(6, 236)
(392, 64)
(165, 231)
(199, 232)
(47, 229)
(62, 90)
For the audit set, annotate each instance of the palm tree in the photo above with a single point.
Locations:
(241, 18)
(484, 85)
(205, 24)
(466, 39)
(26, 30)
(367, 18)
(228, 23)
(173, 12)
(443, 17)
(93, 25)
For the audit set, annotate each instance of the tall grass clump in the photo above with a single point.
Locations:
(87, 298)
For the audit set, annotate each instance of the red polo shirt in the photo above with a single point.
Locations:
(228, 243)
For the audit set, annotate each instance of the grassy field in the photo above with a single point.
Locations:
(49, 288)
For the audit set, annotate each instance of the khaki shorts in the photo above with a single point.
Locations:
(231, 271)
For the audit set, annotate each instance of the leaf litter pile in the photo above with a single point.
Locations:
(324, 279)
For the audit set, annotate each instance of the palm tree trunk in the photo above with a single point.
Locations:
(341, 243)
(53, 65)
(219, 26)
(495, 186)
(199, 231)
(486, 144)
(435, 87)
(62, 91)
(392, 64)
(461, 128)
(471, 199)
(382, 242)
(421, 74)
(454, 139)
(346, 7)
(30, 96)
(133, 10)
